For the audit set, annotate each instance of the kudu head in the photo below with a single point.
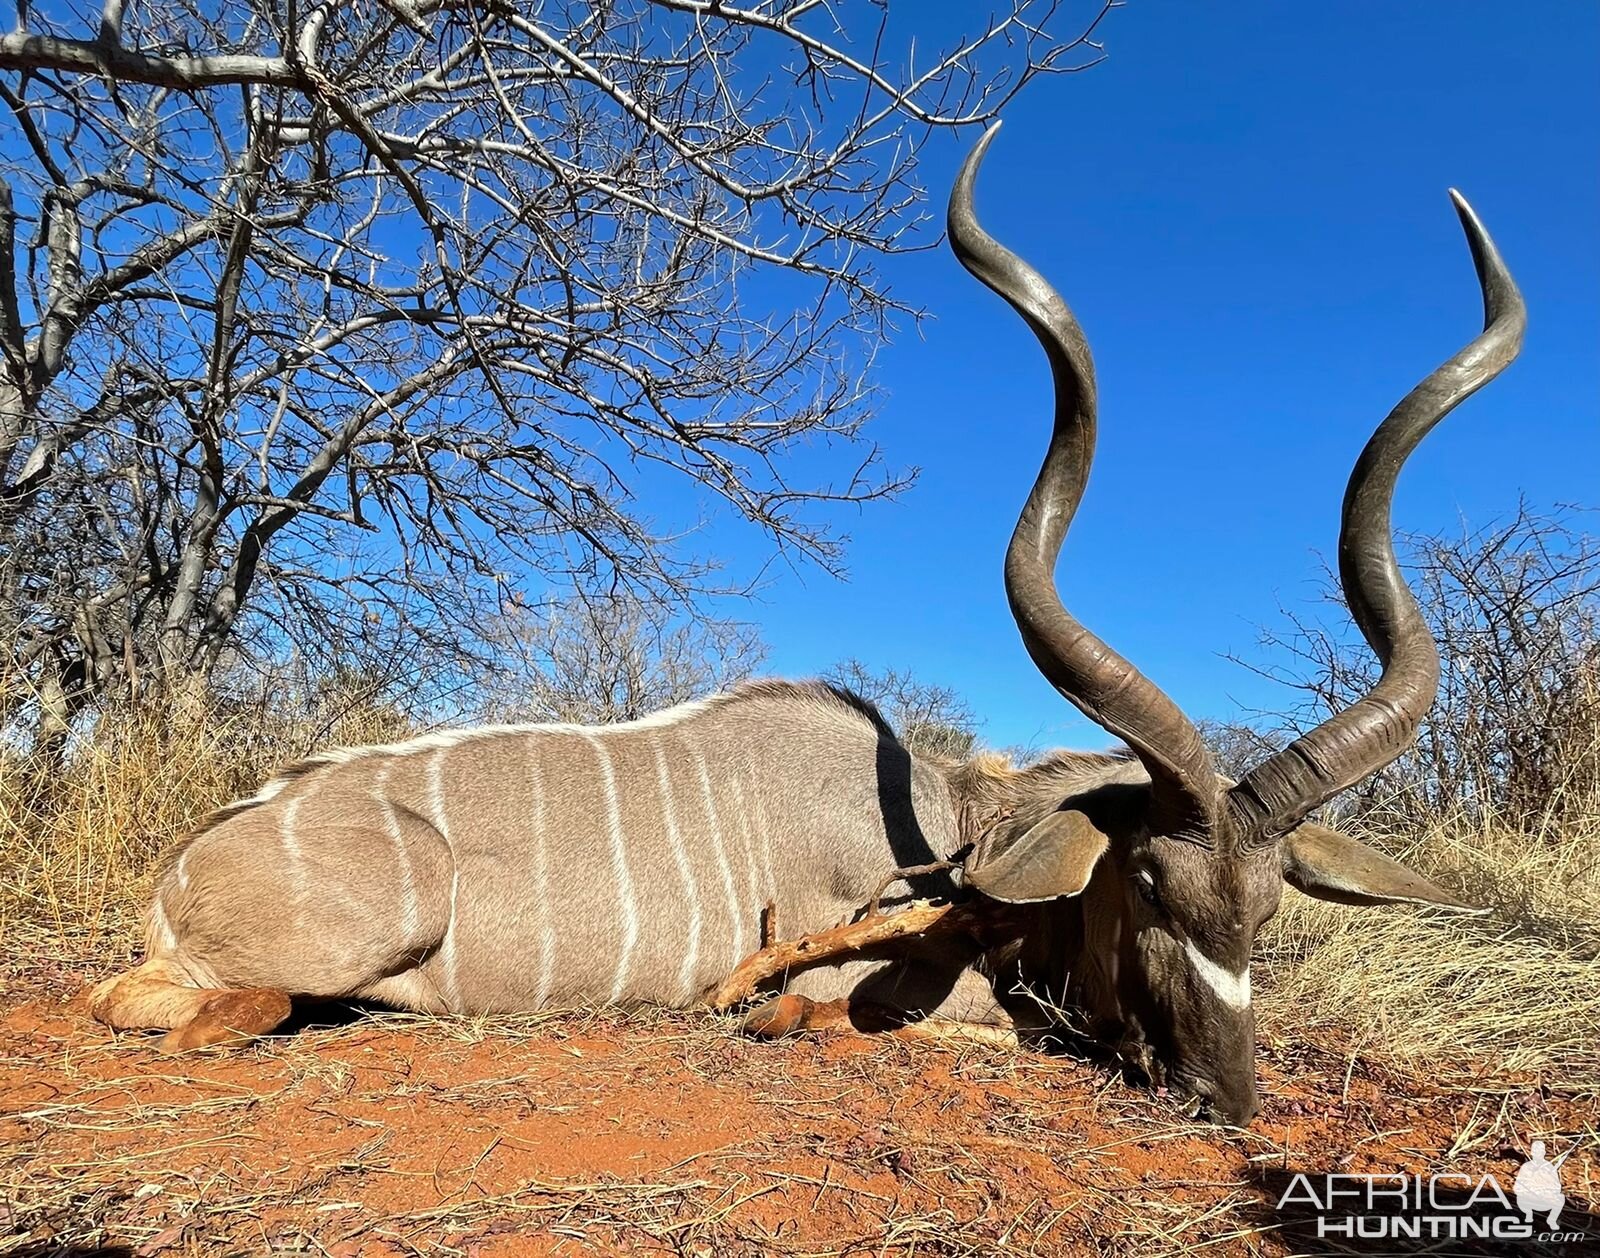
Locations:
(1175, 880)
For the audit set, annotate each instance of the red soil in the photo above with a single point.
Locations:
(600, 1134)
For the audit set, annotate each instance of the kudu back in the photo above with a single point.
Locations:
(521, 867)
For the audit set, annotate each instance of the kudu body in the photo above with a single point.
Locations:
(520, 867)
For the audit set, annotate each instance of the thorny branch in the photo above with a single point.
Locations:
(920, 919)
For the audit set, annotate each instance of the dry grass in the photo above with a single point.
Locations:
(78, 841)
(1390, 1038)
(407, 1135)
(1510, 996)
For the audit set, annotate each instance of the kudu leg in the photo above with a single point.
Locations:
(229, 1017)
(985, 922)
(790, 1014)
(155, 996)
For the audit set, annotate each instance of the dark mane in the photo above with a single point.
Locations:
(825, 693)
(990, 786)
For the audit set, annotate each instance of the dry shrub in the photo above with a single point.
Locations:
(932, 720)
(1515, 610)
(1500, 798)
(602, 658)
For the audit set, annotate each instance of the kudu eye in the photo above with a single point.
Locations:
(1144, 883)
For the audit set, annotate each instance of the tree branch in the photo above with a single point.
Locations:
(22, 51)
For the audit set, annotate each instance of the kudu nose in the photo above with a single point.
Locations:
(1228, 1106)
(1232, 1107)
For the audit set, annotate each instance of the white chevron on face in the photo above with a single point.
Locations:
(1231, 989)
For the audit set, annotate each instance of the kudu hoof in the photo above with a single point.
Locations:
(780, 1016)
(233, 1017)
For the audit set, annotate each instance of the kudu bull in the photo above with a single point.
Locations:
(519, 867)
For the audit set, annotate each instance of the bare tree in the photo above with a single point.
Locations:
(1237, 746)
(931, 720)
(601, 660)
(324, 324)
(1515, 731)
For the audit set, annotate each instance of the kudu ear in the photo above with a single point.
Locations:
(1333, 866)
(1024, 865)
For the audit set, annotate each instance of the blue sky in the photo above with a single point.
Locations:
(1245, 204)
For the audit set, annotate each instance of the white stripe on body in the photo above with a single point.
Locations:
(411, 908)
(1231, 989)
(619, 867)
(541, 880)
(691, 952)
(764, 850)
(735, 919)
(269, 791)
(288, 831)
(441, 823)
(163, 941)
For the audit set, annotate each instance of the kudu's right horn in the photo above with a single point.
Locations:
(1278, 793)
